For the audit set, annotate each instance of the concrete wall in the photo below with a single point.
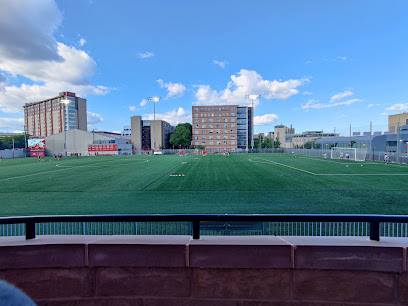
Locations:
(15, 154)
(165, 270)
(136, 130)
(82, 115)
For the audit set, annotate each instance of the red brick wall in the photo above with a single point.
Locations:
(211, 271)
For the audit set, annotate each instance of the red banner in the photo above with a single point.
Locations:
(93, 148)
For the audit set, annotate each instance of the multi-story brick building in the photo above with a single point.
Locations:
(222, 127)
(55, 115)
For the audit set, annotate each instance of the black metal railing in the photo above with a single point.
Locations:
(374, 221)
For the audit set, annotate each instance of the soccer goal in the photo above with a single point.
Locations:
(355, 154)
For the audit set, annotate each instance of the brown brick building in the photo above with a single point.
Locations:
(51, 116)
(222, 127)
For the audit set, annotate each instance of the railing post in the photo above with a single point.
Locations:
(375, 230)
(196, 229)
(30, 230)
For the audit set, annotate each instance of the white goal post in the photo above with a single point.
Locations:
(355, 154)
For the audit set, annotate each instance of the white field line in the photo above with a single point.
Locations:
(353, 162)
(270, 161)
(40, 173)
(366, 174)
(330, 174)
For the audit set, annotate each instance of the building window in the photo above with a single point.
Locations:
(218, 142)
(196, 126)
(218, 137)
(196, 115)
(232, 108)
(195, 132)
(225, 137)
(202, 120)
(232, 114)
(232, 136)
(211, 137)
(195, 137)
(225, 131)
(218, 120)
(203, 126)
(211, 142)
(196, 143)
(225, 142)
(196, 109)
(211, 120)
(232, 119)
(232, 142)
(225, 125)
(203, 137)
(203, 143)
(232, 125)
(217, 125)
(203, 131)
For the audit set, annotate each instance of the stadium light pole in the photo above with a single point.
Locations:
(65, 102)
(252, 97)
(154, 99)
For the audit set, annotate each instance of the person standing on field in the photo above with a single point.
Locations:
(385, 158)
(325, 156)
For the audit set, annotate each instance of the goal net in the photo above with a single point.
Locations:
(355, 154)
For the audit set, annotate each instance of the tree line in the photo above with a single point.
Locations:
(6, 142)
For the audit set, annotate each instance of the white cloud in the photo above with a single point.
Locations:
(312, 104)
(173, 117)
(132, 108)
(306, 93)
(173, 89)
(266, 119)
(93, 119)
(221, 64)
(27, 28)
(143, 103)
(338, 58)
(384, 114)
(401, 107)
(82, 42)
(12, 123)
(340, 96)
(146, 54)
(28, 48)
(247, 82)
(370, 105)
(308, 62)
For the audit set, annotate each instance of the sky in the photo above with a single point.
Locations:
(318, 65)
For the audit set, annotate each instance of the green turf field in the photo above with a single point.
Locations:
(215, 184)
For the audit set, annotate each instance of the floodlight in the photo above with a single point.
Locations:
(155, 99)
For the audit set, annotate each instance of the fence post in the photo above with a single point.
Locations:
(30, 230)
(196, 229)
(375, 230)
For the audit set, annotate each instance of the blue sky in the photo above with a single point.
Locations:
(317, 64)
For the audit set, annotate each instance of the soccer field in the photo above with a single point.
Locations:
(214, 184)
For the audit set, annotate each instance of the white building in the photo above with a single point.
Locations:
(87, 143)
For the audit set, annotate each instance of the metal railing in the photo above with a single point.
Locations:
(282, 225)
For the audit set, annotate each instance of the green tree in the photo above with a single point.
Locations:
(311, 144)
(7, 142)
(182, 135)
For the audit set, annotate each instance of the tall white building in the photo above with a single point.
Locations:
(55, 115)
